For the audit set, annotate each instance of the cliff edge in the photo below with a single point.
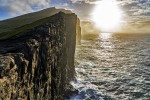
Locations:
(37, 59)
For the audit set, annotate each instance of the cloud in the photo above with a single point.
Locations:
(136, 13)
(136, 7)
(17, 7)
(82, 9)
(85, 1)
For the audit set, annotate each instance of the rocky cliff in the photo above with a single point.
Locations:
(37, 60)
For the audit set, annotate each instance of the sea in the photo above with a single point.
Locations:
(113, 66)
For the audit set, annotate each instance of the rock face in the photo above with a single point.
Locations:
(78, 35)
(39, 64)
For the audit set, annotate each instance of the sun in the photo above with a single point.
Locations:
(107, 15)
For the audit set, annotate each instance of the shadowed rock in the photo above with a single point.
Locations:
(37, 60)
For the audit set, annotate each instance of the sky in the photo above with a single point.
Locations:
(135, 13)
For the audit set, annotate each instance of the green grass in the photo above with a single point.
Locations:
(21, 24)
(19, 21)
(23, 29)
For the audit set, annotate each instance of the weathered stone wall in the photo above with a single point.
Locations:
(40, 64)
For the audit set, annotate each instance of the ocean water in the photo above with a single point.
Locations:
(113, 67)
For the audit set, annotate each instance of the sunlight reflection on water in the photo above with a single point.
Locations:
(105, 40)
(105, 36)
(113, 67)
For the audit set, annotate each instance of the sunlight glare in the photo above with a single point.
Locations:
(105, 36)
(107, 15)
(105, 39)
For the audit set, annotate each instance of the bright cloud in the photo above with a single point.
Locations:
(17, 7)
(136, 13)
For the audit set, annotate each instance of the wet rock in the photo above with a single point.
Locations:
(70, 91)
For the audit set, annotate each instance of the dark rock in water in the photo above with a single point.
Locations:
(37, 63)
(70, 91)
